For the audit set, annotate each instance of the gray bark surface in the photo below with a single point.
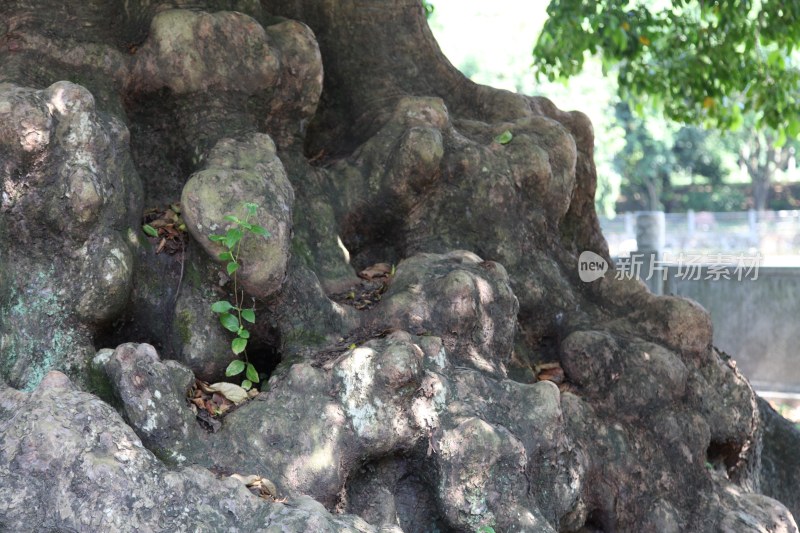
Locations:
(407, 402)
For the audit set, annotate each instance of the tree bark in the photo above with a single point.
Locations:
(479, 381)
(761, 158)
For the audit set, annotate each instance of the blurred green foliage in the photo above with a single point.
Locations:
(700, 62)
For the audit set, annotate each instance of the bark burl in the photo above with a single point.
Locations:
(406, 402)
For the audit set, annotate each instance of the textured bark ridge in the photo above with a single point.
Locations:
(410, 400)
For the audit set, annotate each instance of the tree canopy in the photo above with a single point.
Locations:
(701, 62)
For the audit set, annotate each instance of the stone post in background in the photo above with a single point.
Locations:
(650, 238)
(752, 224)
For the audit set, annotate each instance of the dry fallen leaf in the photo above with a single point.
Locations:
(546, 366)
(378, 270)
(567, 387)
(247, 480)
(258, 485)
(269, 487)
(234, 393)
(203, 386)
(556, 375)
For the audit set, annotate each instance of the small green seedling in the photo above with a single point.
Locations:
(233, 316)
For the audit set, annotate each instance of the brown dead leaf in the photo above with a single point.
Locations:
(203, 386)
(247, 480)
(318, 157)
(217, 398)
(210, 423)
(269, 487)
(431, 445)
(546, 366)
(378, 270)
(567, 387)
(258, 485)
(161, 246)
(556, 375)
(169, 226)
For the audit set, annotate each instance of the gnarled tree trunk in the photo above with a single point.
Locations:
(414, 400)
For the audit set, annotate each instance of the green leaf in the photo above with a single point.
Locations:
(737, 119)
(216, 238)
(619, 38)
(238, 345)
(249, 315)
(232, 267)
(775, 59)
(229, 322)
(246, 225)
(261, 231)
(221, 306)
(231, 218)
(243, 333)
(793, 128)
(251, 373)
(251, 208)
(226, 256)
(781, 140)
(150, 230)
(232, 237)
(236, 367)
(247, 384)
(504, 138)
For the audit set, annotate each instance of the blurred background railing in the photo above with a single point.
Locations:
(775, 235)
